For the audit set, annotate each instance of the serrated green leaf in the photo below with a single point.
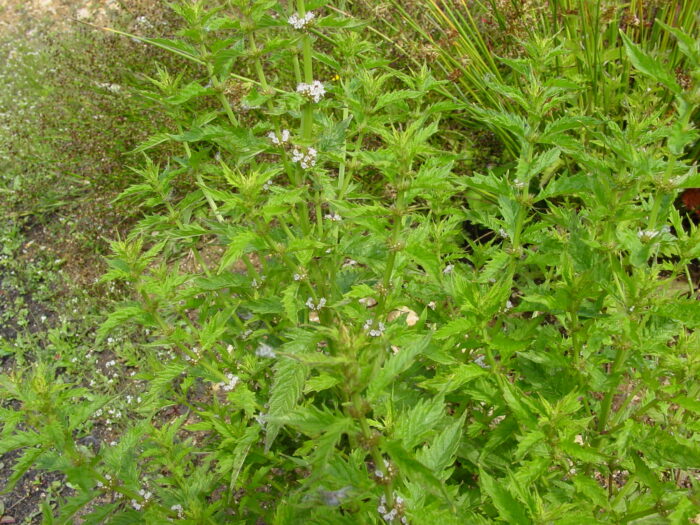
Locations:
(395, 365)
(592, 490)
(236, 248)
(414, 469)
(188, 92)
(582, 453)
(684, 311)
(131, 311)
(290, 303)
(287, 387)
(151, 142)
(453, 378)
(419, 420)
(649, 66)
(461, 326)
(441, 453)
(392, 97)
(526, 442)
(320, 382)
(509, 509)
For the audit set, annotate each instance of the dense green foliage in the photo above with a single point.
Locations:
(345, 323)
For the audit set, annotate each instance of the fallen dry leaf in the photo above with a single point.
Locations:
(411, 316)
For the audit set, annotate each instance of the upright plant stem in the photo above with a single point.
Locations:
(307, 54)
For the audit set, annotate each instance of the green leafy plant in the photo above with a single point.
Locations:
(467, 38)
(344, 327)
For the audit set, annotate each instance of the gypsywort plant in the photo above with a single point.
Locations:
(343, 326)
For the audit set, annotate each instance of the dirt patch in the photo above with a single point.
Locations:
(23, 503)
(59, 12)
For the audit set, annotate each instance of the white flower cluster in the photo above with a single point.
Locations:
(648, 235)
(305, 160)
(448, 269)
(313, 91)
(282, 139)
(100, 484)
(333, 217)
(232, 382)
(481, 361)
(373, 332)
(145, 495)
(265, 350)
(197, 355)
(300, 22)
(317, 307)
(178, 508)
(261, 418)
(391, 515)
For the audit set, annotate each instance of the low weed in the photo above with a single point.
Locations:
(341, 325)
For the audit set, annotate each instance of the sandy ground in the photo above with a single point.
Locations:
(59, 13)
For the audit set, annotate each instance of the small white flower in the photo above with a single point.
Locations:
(305, 160)
(178, 509)
(503, 233)
(481, 361)
(261, 419)
(647, 235)
(300, 22)
(232, 382)
(519, 184)
(333, 217)
(448, 269)
(374, 332)
(314, 91)
(282, 139)
(265, 350)
(317, 307)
